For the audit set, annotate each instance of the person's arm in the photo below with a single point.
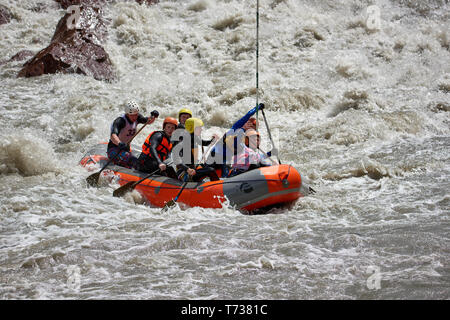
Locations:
(266, 161)
(153, 115)
(182, 166)
(155, 141)
(187, 169)
(148, 120)
(240, 160)
(142, 119)
(116, 127)
(207, 142)
(215, 137)
(238, 124)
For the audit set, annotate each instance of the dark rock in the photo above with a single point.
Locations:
(67, 3)
(75, 48)
(147, 2)
(5, 15)
(19, 56)
(22, 55)
(40, 7)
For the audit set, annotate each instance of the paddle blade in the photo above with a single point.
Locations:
(119, 192)
(169, 205)
(93, 179)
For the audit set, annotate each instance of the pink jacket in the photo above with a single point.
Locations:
(247, 157)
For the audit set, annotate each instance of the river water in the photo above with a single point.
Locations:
(357, 99)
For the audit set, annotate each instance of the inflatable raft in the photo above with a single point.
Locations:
(263, 188)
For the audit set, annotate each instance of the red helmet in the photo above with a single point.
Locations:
(170, 120)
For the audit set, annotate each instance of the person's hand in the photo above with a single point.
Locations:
(191, 172)
(162, 167)
(154, 114)
(261, 106)
(216, 137)
(122, 146)
(274, 152)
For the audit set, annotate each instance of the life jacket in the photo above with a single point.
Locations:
(163, 149)
(248, 156)
(193, 162)
(128, 131)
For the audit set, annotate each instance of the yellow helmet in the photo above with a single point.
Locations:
(184, 110)
(193, 123)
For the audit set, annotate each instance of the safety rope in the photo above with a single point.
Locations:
(257, 58)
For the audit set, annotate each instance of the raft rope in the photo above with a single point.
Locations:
(218, 183)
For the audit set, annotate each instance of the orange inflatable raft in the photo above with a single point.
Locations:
(263, 188)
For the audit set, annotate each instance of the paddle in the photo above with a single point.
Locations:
(172, 202)
(270, 135)
(267, 155)
(212, 144)
(137, 133)
(93, 178)
(131, 185)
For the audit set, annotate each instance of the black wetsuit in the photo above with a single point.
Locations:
(202, 171)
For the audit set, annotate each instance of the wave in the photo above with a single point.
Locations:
(27, 155)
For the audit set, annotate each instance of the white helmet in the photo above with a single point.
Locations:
(131, 107)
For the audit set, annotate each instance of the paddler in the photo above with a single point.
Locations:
(250, 157)
(157, 148)
(190, 167)
(222, 153)
(123, 130)
(183, 115)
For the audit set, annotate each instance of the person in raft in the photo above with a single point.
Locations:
(225, 149)
(190, 168)
(157, 148)
(183, 115)
(123, 130)
(250, 157)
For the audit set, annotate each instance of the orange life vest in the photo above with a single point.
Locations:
(163, 149)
